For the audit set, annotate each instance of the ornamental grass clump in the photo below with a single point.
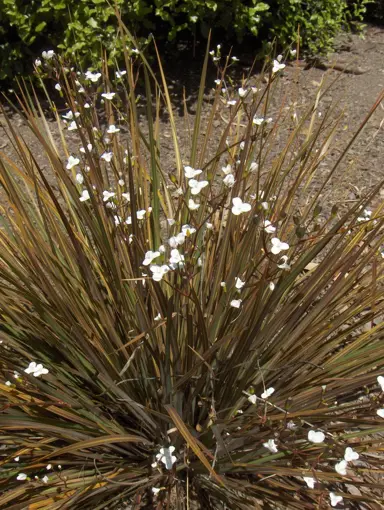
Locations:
(195, 333)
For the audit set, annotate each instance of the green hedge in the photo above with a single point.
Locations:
(80, 26)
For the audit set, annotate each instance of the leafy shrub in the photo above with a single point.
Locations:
(171, 333)
(81, 28)
(318, 22)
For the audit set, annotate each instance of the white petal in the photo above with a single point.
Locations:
(350, 455)
(316, 436)
(335, 499)
(309, 481)
(267, 393)
(341, 467)
(236, 303)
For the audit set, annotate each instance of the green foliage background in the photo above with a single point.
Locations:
(82, 26)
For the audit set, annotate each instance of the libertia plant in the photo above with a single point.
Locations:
(202, 334)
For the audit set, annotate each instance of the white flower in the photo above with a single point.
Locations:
(93, 77)
(89, 147)
(108, 95)
(271, 446)
(231, 102)
(278, 246)
(36, 370)
(121, 182)
(48, 55)
(107, 156)
(86, 105)
(284, 264)
(192, 205)
(187, 230)
(72, 126)
(239, 284)
(277, 66)
(127, 196)
(380, 412)
(49, 466)
(335, 499)
(209, 225)
(155, 490)
(158, 317)
(341, 467)
(149, 256)
(366, 215)
(190, 172)
(293, 52)
(118, 220)
(16, 459)
(112, 129)
(175, 241)
(265, 205)
(258, 120)
(175, 258)
(242, 92)
(119, 74)
(267, 393)
(107, 195)
(239, 206)
(227, 169)
(197, 186)
(229, 180)
(72, 162)
(268, 227)
(223, 284)
(69, 115)
(380, 380)
(45, 479)
(316, 436)
(217, 82)
(84, 195)
(252, 399)
(162, 248)
(253, 166)
(350, 454)
(309, 481)
(37, 62)
(236, 303)
(140, 214)
(165, 456)
(235, 59)
(21, 476)
(79, 178)
(158, 272)
(128, 221)
(242, 145)
(171, 221)
(8, 383)
(58, 86)
(271, 286)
